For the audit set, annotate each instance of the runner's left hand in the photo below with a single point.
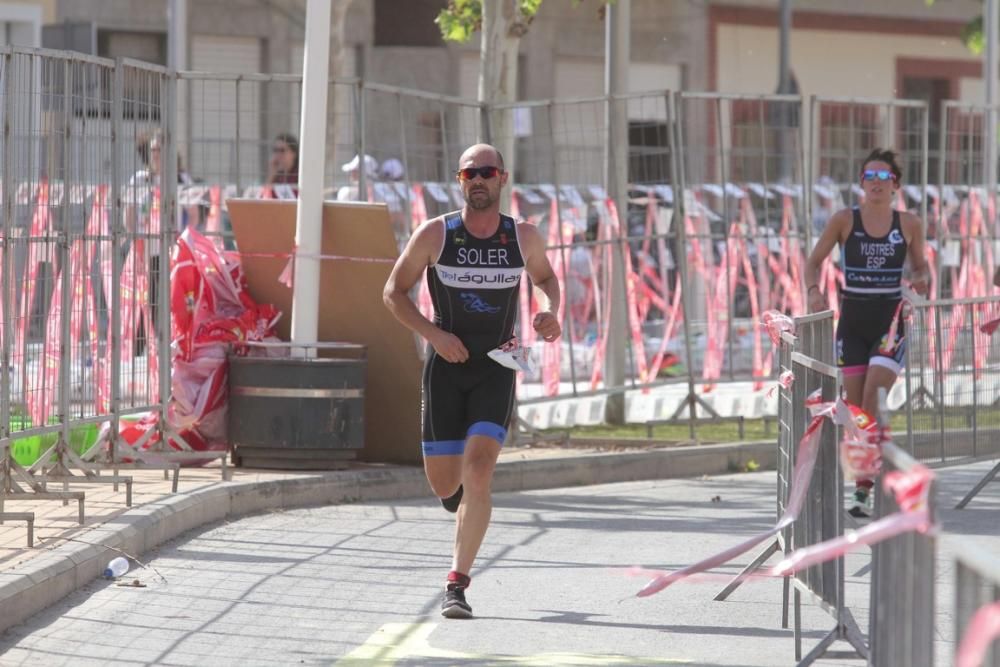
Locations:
(547, 326)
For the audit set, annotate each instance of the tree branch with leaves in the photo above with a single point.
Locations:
(972, 33)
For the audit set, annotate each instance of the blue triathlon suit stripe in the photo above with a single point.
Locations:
(443, 447)
(490, 430)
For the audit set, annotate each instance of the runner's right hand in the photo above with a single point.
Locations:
(449, 347)
(817, 302)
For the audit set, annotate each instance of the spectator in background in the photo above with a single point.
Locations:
(149, 148)
(391, 173)
(392, 170)
(283, 168)
(580, 281)
(352, 169)
(139, 198)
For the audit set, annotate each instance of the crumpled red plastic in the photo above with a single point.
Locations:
(213, 313)
(909, 488)
(861, 446)
(776, 323)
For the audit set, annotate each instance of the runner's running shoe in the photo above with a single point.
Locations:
(454, 604)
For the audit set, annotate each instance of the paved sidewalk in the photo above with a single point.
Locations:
(67, 556)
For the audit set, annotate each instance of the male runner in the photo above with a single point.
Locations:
(473, 259)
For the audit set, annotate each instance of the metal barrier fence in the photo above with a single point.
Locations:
(951, 390)
(902, 593)
(902, 610)
(977, 585)
(725, 195)
(739, 165)
(730, 248)
(808, 354)
(760, 175)
(822, 516)
(85, 330)
(963, 220)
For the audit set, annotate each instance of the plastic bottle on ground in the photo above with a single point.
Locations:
(116, 568)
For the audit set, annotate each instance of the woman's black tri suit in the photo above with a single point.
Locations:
(873, 271)
(474, 287)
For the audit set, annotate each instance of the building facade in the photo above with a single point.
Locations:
(851, 49)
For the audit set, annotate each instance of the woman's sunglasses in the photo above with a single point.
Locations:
(469, 173)
(877, 174)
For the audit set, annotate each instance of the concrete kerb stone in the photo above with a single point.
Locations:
(44, 580)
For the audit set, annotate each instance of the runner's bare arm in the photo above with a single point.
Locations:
(419, 253)
(546, 323)
(913, 229)
(832, 234)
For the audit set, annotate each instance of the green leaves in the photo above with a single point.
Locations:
(529, 7)
(972, 35)
(460, 19)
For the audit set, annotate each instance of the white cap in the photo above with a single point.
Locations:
(392, 169)
(371, 165)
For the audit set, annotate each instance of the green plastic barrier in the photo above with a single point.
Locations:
(29, 449)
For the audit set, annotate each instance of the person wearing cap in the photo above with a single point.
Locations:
(353, 169)
(392, 170)
(391, 173)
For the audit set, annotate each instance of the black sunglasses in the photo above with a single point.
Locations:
(469, 173)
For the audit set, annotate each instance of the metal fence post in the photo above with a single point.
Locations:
(676, 119)
(167, 83)
(901, 600)
(808, 175)
(117, 257)
(444, 164)
(564, 258)
(66, 267)
(361, 142)
(975, 382)
(977, 585)
(939, 376)
(407, 205)
(9, 299)
(236, 147)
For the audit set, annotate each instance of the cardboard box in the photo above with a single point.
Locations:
(350, 309)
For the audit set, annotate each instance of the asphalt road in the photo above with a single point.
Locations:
(360, 585)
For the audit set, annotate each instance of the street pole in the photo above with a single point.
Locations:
(177, 50)
(617, 24)
(312, 146)
(784, 88)
(991, 25)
